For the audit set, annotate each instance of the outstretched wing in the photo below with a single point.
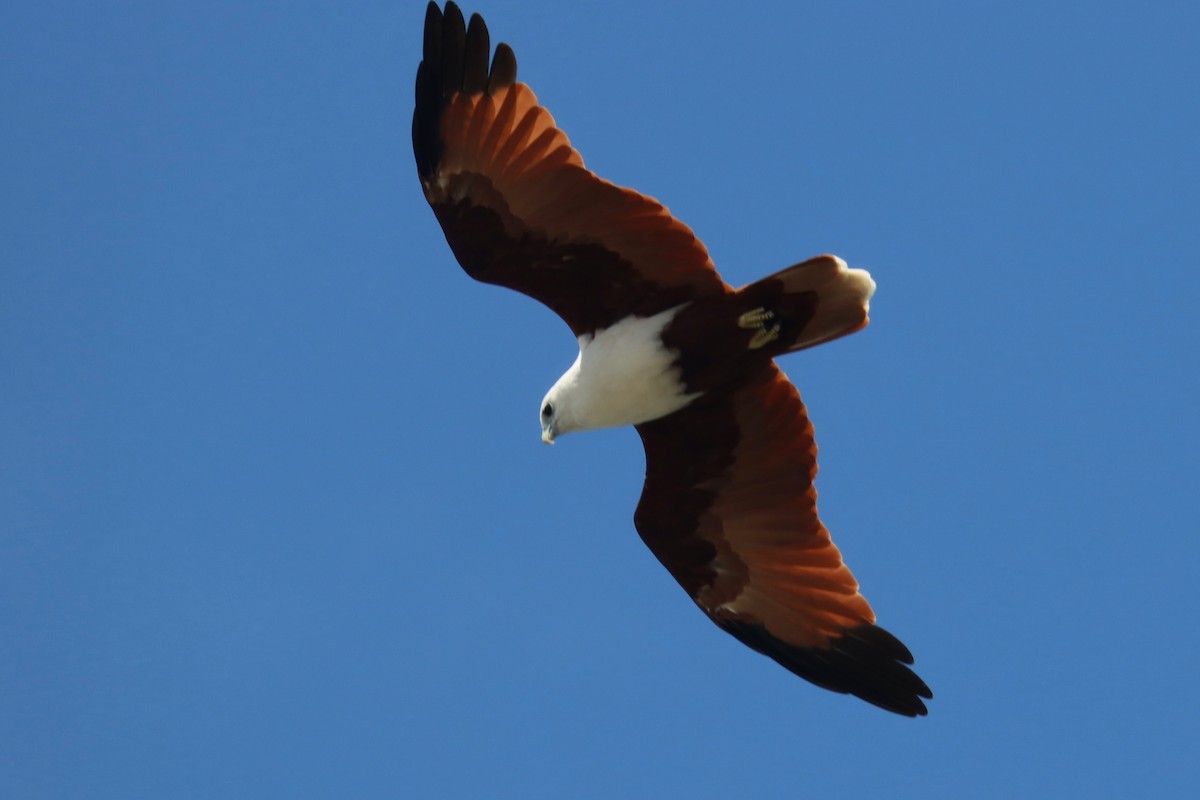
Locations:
(517, 205)
(730, 510)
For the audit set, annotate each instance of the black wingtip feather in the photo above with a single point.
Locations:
(478, 48)
(867, 662)
(454, 42)
(881, 639)
(432, 48)
(454, 59)
(504, 68)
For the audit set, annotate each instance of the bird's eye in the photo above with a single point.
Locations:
(547, 410)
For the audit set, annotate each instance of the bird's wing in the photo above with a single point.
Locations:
(517, 205)
(730, 510)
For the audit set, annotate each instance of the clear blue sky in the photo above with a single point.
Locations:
(275, 520)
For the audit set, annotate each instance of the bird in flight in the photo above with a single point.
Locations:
(665, 345)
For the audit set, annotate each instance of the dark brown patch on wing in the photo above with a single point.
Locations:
(517, 205)
(729, 508)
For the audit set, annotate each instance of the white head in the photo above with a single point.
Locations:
(622, 376)
(558, 409)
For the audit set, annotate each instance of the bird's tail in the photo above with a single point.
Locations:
(806, 304)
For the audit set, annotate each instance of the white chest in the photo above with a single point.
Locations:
(623, 376)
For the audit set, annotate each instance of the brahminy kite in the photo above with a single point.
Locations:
(665, 345)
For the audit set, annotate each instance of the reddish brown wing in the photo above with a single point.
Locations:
(517, 205)
(730, 509)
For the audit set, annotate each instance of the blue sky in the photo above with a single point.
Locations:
(275, 520)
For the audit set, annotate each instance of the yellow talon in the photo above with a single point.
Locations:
(759, 318)
(755, 318)
(764, 337)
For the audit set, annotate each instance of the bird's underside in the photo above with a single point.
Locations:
(728, 505)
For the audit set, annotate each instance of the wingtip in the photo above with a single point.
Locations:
(866, 661)
(455, 59)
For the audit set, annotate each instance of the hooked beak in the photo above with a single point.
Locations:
(548, 435)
